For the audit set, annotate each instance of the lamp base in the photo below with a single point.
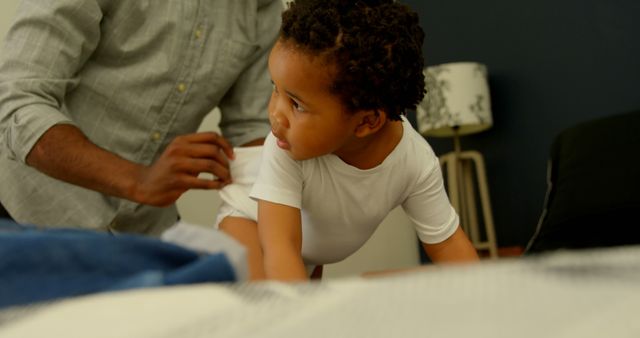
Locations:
(465, 170)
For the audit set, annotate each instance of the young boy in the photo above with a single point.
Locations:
(341, 154)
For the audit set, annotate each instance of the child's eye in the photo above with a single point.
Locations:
(297, 106)
(275, 89)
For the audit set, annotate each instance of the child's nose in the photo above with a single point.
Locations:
(277, 117)
(278, 121)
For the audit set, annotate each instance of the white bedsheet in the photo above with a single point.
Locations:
(569, 294)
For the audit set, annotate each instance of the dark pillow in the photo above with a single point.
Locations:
(593, 198)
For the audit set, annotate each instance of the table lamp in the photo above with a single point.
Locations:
(457, 103)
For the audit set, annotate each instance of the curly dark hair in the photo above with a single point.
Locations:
(374, 46)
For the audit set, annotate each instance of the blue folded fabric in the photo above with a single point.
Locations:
(40, 265)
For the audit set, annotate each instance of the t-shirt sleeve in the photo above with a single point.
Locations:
(429, 208)
(280, 177)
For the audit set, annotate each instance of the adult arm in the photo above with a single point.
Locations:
(63, 152)
(280, 231)
(45, 50)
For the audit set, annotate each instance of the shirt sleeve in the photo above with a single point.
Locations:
(280, 177)
(244, 115)
(429, 208)
(44, 49)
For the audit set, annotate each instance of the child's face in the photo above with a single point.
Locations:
(305, 117)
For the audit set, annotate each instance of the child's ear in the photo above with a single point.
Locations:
(370, 122)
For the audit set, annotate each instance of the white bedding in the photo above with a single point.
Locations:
(569, 294)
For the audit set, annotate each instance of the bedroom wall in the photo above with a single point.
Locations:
(394, 245)
(552, 64)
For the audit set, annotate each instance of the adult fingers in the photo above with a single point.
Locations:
(207, 151)
(211, 138)
(197, 166)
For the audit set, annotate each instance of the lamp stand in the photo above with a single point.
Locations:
(465, 170)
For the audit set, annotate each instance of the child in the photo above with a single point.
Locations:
(341, 154)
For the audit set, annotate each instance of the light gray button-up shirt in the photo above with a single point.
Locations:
(132, 75)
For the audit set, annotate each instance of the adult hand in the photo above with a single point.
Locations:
(179, 166)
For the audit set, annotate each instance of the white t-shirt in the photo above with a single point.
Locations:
(341, 205)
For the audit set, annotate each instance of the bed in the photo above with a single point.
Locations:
(567, 293)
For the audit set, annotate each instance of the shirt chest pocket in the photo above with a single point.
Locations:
(225, 60)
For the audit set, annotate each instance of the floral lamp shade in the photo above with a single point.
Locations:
(457, 100)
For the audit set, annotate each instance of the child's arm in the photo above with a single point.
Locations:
(280, 231)
(456, 248)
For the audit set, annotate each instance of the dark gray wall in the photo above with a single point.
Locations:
(552, 64)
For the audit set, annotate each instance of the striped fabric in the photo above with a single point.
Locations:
(132, 75)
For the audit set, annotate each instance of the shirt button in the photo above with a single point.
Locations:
(155, 136)
(198, 33)
(182, 87)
